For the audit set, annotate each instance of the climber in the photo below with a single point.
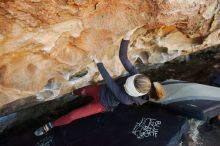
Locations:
(133, 89)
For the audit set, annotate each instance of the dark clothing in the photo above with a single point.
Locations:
(113, 92)
(124, 58)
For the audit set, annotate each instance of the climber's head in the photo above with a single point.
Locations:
(139, 85)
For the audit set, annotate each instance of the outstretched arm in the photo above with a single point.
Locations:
(108, 79)
(124, 58)
(113, 86)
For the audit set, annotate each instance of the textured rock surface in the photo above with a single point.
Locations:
(45, 44)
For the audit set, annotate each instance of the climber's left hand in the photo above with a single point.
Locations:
(130, 33)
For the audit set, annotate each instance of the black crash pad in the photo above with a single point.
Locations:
(126, 126)
(197, 109)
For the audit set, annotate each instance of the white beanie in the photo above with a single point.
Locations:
(130, 88)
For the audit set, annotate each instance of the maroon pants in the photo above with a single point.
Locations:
(92, 108)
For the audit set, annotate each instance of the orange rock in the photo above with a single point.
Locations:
(44, 40)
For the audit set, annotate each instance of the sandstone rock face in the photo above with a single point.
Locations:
(45, 44)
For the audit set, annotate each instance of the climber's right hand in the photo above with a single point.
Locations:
(94, 58)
